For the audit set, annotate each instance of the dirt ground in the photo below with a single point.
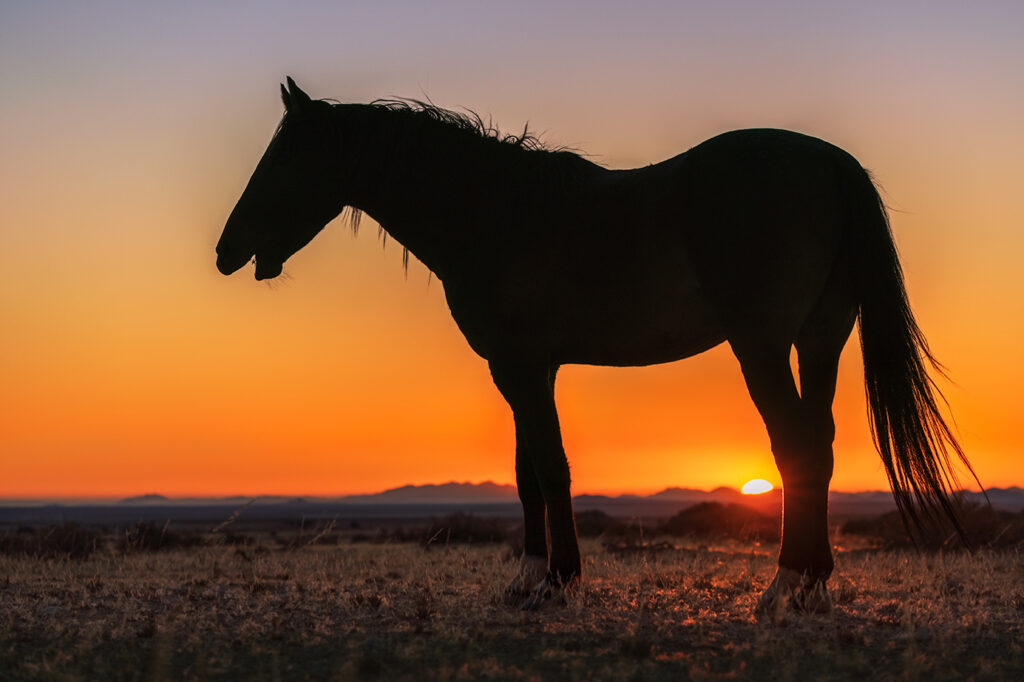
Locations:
(405, 612)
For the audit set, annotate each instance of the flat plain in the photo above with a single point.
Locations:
(329, 608)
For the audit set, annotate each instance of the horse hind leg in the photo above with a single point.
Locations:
(805, 560)
(804, 480)
(819, 346)
(801, 443)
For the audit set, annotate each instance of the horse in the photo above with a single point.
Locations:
(765, 239)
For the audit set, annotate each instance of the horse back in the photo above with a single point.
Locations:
(659, 263)
(764, 224)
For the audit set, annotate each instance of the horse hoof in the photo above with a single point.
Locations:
(548, 594)
(814, 599)
(792, 591)
(532, 570)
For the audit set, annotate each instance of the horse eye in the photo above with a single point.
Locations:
(290, 145)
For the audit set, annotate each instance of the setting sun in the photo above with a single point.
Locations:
(756, 486)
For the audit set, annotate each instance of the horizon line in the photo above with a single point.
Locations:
(58, 499)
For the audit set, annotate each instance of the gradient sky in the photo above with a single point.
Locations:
(128, 130)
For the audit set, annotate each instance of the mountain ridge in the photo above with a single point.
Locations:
(489, 492)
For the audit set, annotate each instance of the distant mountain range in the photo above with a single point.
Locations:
(418, 502)
(488, 492)
(476, 493)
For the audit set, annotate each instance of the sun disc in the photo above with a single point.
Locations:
(756, 487)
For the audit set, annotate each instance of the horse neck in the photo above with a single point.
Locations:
(428, 187)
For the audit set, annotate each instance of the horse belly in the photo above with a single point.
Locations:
(596, 295)
(647, 316)
(588, 310)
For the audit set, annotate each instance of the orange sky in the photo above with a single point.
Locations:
(129, 365)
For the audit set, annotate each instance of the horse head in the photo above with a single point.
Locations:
(293, 193)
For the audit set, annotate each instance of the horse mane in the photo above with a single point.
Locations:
(567, 167)
(467, 120)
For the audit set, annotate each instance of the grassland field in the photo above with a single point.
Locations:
(333, 606)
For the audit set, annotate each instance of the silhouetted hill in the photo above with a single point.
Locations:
(718, 519)
(726, 492)
(680, 495)
(494, 498)
(1006, 498)
(477, 493)
(148, 498)
(153, 499)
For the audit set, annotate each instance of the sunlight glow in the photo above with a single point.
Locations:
(756, 487)
(130, 365)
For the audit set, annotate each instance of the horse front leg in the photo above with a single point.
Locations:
(529, 391)
(805, 561)
(533, 565)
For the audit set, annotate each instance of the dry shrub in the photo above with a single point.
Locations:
(593, 523)
(888, 529)
(322, 535)
(151, 537)
(844, 591)
(382, 535)
(66, 541)
(715, 519)
(465, 528)
(237, 539)
(634, 544)
(629, 537)
(983, 525)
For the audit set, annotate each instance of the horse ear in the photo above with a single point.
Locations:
(296, 97)
(285, 97)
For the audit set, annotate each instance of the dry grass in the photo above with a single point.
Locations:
(402, 611)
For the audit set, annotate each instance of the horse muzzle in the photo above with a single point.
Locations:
(267, 269)
(229, 262)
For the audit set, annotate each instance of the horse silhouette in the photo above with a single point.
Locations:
(765, 239)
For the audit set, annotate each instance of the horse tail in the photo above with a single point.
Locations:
(910, 434)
